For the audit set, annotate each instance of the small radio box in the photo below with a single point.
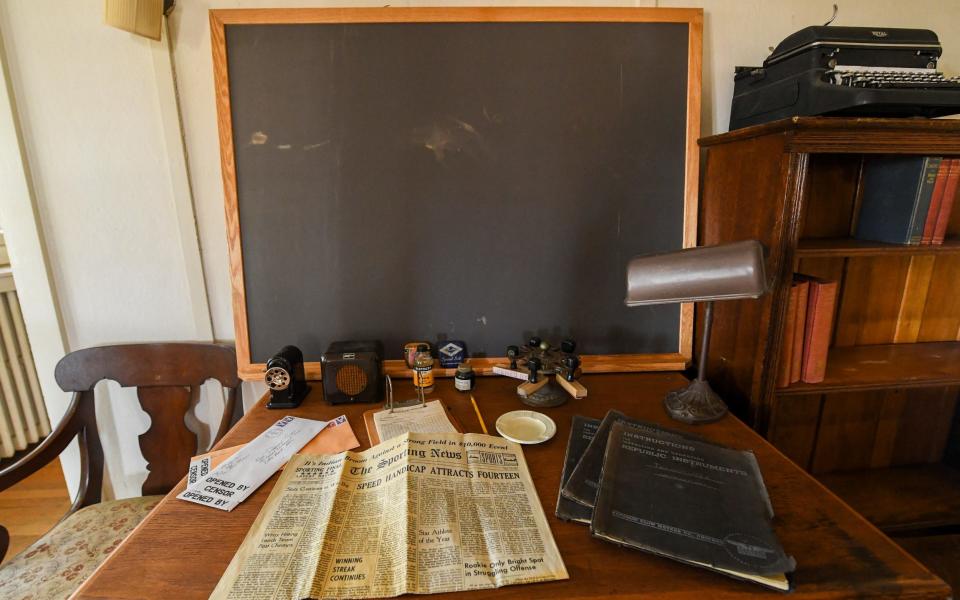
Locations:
(352, 372)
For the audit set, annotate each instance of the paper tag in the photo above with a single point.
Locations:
(240, 475)
(508, 372)
(198, 468)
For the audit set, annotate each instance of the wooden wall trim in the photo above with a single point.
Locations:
(218, 43)
(692, 173)
(276, 16)
(594, 363)
(853, 135)
(220, 18)
(836, 129)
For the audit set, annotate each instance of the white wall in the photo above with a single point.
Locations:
(95, 107)
(88, 100)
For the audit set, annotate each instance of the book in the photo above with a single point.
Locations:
(946, 205)
(953, 221)
(582, 432)
(924, 197)
(786, 347)
(821, 306)
(692, 501)
(796, 366)
(584, 480)
(896, 195)
(936, 201)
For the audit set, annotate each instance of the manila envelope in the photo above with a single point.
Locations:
(336, 437)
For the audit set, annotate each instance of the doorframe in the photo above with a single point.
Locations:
(29, 262)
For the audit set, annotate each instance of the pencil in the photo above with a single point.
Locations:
(476, 409)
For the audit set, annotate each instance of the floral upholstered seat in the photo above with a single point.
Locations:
(56, 564)
(167, 378)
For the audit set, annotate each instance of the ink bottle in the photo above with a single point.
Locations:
(465, 378)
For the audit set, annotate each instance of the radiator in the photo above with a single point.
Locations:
(23, 416)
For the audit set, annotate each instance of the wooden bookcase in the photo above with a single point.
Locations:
(881, 430)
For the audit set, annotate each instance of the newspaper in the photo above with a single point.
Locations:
(420, 513)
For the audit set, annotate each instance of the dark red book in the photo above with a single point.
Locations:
(946, 205)
(786, 346)
(821, 303)
(936, 200)
(803, 291)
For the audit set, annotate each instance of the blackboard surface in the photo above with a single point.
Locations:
(475, 181)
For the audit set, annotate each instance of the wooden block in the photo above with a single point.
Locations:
(525, 389)
(575, 388)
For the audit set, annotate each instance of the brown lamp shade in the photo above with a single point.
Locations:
(725, 272)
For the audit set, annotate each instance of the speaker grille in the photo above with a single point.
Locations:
(351, 380)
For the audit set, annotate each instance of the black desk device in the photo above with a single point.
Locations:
(852, 71)
(286, 379)
(352, 372)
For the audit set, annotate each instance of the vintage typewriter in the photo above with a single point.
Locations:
(855, 71)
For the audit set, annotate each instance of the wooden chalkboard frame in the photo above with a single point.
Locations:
(219, 19)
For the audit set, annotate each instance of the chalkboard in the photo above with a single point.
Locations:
(393, 177)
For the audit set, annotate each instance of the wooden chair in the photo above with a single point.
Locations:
(168, 378)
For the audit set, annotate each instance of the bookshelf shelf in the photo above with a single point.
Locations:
(885, 366)
(902, 499)
(843, 247)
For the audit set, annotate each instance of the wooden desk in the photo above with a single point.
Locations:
(181, 549)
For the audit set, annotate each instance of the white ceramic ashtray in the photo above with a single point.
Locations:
(526, 427)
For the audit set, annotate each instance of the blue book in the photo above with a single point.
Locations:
(896, 197)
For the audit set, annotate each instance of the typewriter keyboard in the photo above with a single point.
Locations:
(890, 77)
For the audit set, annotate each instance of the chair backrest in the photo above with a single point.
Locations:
(168, 377)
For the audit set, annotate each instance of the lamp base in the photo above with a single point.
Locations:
(697, 403)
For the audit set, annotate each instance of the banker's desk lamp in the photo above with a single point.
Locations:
(725, 272)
